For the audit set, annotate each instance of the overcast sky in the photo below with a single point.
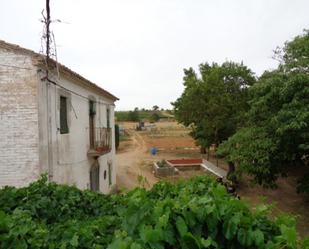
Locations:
(137, 49)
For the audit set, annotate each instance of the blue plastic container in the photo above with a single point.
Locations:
(153, 151)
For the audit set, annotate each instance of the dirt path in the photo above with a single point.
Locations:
(134, 162)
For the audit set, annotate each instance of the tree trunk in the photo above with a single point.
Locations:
(203, 150)
(230, 174)
(216, 145)
(217, 161)
(208, 151)
(231, 168)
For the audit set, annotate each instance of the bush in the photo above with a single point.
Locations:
(155, 117)
(162, 163)
(193, 214)
(303, 185)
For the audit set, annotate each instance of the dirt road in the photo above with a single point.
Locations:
(134, 162)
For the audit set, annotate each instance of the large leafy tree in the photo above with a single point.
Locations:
(276, 135)
(213, 103)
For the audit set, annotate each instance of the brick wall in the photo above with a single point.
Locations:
(18, 119)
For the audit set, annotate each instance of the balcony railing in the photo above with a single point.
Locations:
(102, 142)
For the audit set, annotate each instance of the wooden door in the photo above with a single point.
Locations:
(95, 177)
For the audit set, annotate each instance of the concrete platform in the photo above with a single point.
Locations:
(214, 169)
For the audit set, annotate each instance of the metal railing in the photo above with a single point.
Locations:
(102, 140)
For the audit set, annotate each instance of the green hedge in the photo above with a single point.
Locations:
(193, 214)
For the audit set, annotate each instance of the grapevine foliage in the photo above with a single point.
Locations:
(192, 214)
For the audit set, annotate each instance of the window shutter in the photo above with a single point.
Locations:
(63, 116)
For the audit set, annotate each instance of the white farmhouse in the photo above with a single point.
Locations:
(62, 125)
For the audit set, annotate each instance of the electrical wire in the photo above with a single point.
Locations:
(5, 65)
(70, 163)
(77, 94)
(59, 162)
(55, 83)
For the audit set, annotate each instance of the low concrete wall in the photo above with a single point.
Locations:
(188, 167)
(186, 164)
(163, 171)
(187, 161)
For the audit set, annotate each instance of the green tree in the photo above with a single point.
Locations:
(214, 103)
(276, 136)
(154, 117)
(133, 116)
(155, 108)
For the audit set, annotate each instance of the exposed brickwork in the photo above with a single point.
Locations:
(18, 119)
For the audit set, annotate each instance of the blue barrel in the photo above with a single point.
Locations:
(153, 151)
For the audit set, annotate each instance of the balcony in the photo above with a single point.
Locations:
(100, 142)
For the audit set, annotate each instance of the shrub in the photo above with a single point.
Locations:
(193, 214)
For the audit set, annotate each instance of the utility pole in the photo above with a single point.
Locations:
(47, 23)
(47, 36)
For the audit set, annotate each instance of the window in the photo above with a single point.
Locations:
(63, 115)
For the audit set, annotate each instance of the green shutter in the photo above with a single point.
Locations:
(63, 116)
(92, 110)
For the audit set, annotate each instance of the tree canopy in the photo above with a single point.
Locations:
(214, 103)
(262, 126)
(276, 136)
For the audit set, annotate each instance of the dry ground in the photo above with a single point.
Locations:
(173, 141)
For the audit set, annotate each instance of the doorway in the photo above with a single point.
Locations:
(95, 177)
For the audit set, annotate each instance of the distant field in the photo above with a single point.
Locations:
(167, 137)
(142, 115)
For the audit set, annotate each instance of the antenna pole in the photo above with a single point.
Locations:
(47, 31)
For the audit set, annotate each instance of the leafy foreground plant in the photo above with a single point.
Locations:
(193, 214)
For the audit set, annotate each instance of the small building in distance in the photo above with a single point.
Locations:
(62, 125)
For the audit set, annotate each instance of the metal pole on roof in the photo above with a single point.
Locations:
(47, 23)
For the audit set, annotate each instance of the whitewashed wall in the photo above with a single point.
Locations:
(68, 162)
